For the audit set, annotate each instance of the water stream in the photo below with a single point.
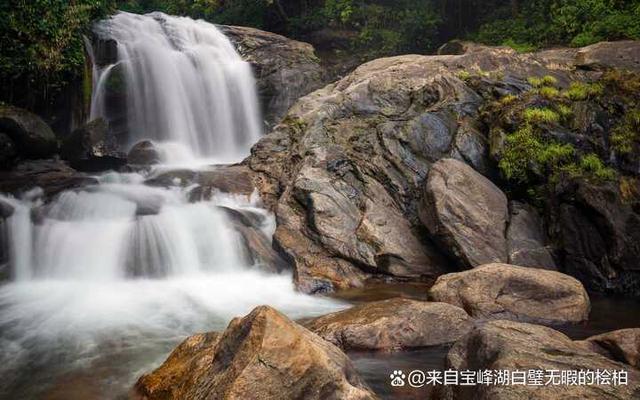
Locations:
(106, 279)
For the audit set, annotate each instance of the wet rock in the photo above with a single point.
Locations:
(232, 179)
(501, 291)
(263, 355)
(8, 151)
(621, 54)
(512, 346)
(285, 69)
(526, 238)
(622, 345)
(393, 325)
(600, 237)
(466, 213)
(32, 137)
(53, 176)
(258, 246)
(93, 148)
(143, 153)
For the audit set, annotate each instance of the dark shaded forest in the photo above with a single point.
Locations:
(43, 50)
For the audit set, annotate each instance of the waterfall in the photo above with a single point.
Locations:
(113, 274)
(185, 84)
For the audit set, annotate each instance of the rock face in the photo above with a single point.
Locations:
(8, 151)
(526, 238)
(32, 137)
(346, 171)
(466, 213)
(52, 176)
(507, 345)
(600, 233)
(262, 356)
(501, 291)
(285, 69)
(93, 148)
(622, 345)
(393, 325)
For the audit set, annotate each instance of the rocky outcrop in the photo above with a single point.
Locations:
(466, 213)
(93, 148)
(262, 356)
(285, 69)
(32, 137)
(233, 179)
(501, 291)
(52, 176)
(346, 169)
(394, 324)
(622, 345)
(512, 346)
(8, 152)
(526, 238)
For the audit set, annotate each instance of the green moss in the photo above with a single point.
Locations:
(626, 135)
(519, 151)
(564, 111)
(508, 99)
(591, 165)
(534, 81)
(581, 91)
(464, 75)
(540, 115)
(546, 80)
(549, 92)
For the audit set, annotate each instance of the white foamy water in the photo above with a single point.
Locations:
(186, 84)
(106, 279)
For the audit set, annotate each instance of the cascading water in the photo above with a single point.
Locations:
(107, 278)
(185, 84)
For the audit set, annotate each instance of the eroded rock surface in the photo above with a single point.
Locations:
(32, 137)
(261, 356)
(93, 148)
(501, 291)
(622, 345)
(394, 324)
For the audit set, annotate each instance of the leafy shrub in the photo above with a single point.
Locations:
(582, 91)
(540, 115)
(626, 135)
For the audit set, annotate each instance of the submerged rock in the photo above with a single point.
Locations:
(261, 356)
(394, 324)
(512, 346)
(32, 137)
(93, 148)
(501, 291)
(466, 213)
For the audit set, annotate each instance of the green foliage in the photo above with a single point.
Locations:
(592, 166)
(464, 75)
(540, 115)
(581, 91)
(549, 92)
(626, 135)
(546, 80)
(540, 23)
(520, 152)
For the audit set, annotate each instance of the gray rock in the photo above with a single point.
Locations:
(143, 153)
(32, 137)
(466, 213)
(93, 148)
(285, 69)
(501, 291)
(526, 238)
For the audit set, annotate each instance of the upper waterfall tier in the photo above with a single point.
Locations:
(184, 83)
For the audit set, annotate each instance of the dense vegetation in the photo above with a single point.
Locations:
(42, 43)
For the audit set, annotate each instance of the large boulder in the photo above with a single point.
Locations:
(501, 291)
(261, 356)
(93, 148)
(346, 169)
(32, 137)
(285, 69)
(521, 348)
(466, 213)
(393, 324)
(144, 153)
(526, 238)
